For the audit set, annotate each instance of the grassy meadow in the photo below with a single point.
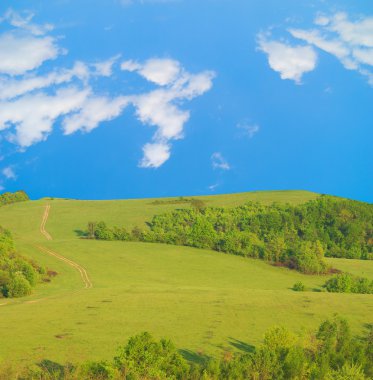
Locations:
(203, 300)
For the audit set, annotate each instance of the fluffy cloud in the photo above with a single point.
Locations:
(290, 61)
(33, 115)
(33, 101)
(20, 53)
(105, 68)
(155, 155)
(161, 107)
(11, 88)
(219, 162)
(350, 42)
(158, 71)
(93, 111)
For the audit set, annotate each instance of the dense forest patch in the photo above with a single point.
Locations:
(296, 236)
(9, 198)
(18, 275)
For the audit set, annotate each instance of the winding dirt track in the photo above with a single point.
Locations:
(44, 222)
(83, 272)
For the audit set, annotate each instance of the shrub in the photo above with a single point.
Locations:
(347, 283)
(98, 371)
(18, 286)
(145, 358)
(102, 232)
(299, 287)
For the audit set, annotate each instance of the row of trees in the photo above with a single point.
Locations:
(18, 275)
(8, 198)
(331, 353)
(294, 236)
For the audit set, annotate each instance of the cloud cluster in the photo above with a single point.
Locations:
(161, 107)
(351, 42)
(33, 101)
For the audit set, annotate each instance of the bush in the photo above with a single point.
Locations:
(102, 232)
(347, 283)
(18, 286)
(299, 287)
(98, 371)
(145, 358)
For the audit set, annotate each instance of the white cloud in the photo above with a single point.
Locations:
(105, 68)
(9, 173)
(22, 53)
(248, 129)
(213, 187)
(23, 21)
(161, 71)
(290, 61)
(11, 87)
(33, 115)
(93, 111)
(363, 55)
(350, 42)
(155, 155)
(161, 107)
(358, 33)
(33, 101)
(156, 108)
(219, 162)
(130, 65)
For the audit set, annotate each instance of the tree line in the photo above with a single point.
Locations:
(297, 237)
(9, 198)
(329, 353)
(18, 275)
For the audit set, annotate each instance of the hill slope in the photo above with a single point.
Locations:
(201, 299)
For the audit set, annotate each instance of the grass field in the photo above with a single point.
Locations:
(204, 301)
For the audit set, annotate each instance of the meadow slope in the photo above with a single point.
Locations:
(204, 301)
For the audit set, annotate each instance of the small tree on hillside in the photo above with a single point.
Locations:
(91, 230)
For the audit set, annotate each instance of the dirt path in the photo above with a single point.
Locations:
(44, 222)
(83, 272)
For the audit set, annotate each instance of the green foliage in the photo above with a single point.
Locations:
(299, 287)
(17, 274)
(102, 232)
(145, 358)
(331, 353)
(294, 236)
(18, 286)
(347, 283)
(98, 371)
(9, 198)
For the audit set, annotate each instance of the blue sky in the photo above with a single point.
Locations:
(127, 99)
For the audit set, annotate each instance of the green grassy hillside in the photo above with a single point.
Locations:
(203, 300)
